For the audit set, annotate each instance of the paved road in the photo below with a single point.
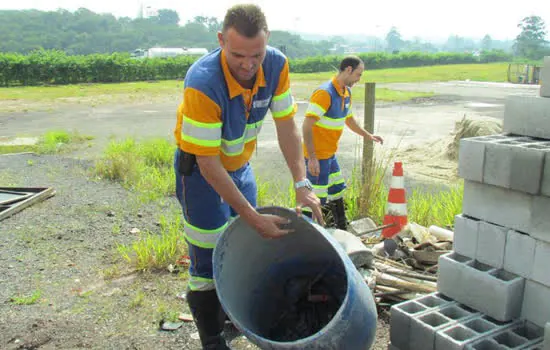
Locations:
(401, 124)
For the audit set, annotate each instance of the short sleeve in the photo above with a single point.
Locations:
(319, 103)
(199, 127)
(283, 105)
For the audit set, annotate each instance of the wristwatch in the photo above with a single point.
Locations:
(304, 183)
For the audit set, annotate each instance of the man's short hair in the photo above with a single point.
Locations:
(247, 19)
(350, 61)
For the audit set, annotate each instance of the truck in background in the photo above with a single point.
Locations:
(163, 52)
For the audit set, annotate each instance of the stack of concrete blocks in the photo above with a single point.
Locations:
(494, 287)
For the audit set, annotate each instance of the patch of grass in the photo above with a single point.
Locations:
(436, 208)
(152, 251)
(368, 197)
(273, 194)
(7, 149)
(142, 167)
(425, 206)
(52, 142)
(48, 93)
(496, 72)
(26, 299)
(95, 94)
(138, 300)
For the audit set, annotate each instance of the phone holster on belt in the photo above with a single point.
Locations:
(186, 163)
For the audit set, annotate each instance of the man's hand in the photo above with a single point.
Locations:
(267, 225)
(307, 198)
(313, 166)
(377, 138)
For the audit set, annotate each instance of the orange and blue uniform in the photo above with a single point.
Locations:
(330, 106)
(218, 117)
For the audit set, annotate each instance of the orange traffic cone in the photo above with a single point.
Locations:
(396, 208)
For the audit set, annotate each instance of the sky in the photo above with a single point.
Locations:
(427, 19)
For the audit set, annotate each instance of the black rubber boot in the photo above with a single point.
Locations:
(209, 318)
(339, 212)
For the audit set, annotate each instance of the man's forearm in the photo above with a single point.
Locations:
(307, 130)
(352, 124)
(216, 175)
(290, 144)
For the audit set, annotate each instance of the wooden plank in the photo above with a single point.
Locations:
(41, 195)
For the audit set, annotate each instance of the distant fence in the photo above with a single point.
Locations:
(57, 68)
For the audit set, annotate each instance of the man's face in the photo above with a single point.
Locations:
(244, 55)
(354, 75)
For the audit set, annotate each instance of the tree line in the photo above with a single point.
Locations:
(84, 32)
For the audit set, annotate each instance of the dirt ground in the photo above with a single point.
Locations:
(65, 248)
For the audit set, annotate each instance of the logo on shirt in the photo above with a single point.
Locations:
(347, 105)
(261, 103)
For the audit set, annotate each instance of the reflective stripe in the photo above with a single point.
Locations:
(397, 182)
(236, 147)
(282, 105)
(396, 209)
(315, 109)
(349, 115)
(202, 134)
(336, 178)
(201, 237)
(335, 196)
(331, 123)
(200, 283)
(320, 191)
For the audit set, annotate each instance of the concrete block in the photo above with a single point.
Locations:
(527, 116)
(491, 244)
(434, 301)
(454, 337)
(528, 162)
(536, 303)
(459, 335)
(424, 327)
(519, 254)
(400, 319)
(465, 235)
(541, 272)
(545, 183)
(401, 315)
(497, 205)
(494, 292)
(540, 219)
(545, 79)
(451, 270)
(498, 160)
(546, 343)
(471, 157)
(522, 335)
(506, 160)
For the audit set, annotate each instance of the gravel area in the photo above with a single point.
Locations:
(64, 250)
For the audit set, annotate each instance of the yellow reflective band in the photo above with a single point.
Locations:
(201, 237)
(200, 283)
(315, 109)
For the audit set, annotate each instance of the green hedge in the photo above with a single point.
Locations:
(379, 60)
(55, 67)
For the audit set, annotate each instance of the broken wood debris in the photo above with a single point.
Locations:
(406, 268)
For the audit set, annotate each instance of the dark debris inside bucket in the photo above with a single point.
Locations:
(310, 304)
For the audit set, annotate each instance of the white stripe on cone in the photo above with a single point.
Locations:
(396, 209)
(397, 182)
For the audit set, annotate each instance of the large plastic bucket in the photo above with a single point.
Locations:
(252, 277)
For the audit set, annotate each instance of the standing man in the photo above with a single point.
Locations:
(227, 94)
(328, 111)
